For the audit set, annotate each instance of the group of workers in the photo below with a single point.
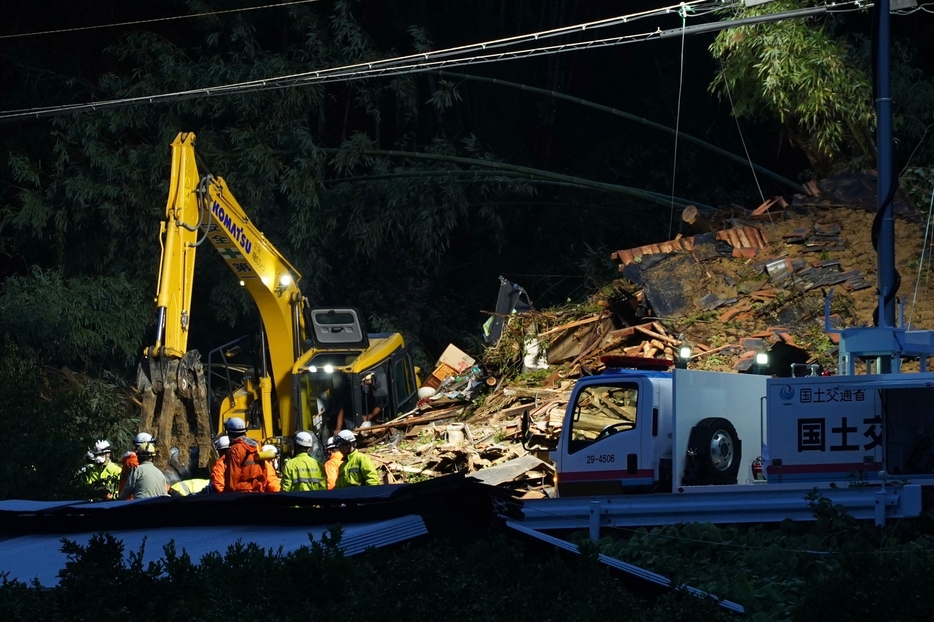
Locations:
(243, 465)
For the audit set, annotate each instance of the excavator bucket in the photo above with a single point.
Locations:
(175, 411)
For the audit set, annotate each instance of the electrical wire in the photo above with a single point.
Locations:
(154, 20)
(739, 130)
(924, 249)
(392, 67)
(412, 63)
(674, 165)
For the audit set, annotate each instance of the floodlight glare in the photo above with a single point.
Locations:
(762, 358)
(685, 352)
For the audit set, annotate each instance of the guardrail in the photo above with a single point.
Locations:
(758, 503)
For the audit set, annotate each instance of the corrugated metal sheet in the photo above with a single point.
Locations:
(40, 556)
(629, 569)
(739, 237)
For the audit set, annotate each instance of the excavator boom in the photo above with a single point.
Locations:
(171, 378)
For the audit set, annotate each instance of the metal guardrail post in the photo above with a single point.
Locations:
(594, 520)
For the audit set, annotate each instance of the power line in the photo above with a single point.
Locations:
(409, 63)
(394, 67)
(646, 195)
(630, 117)
(154, 20)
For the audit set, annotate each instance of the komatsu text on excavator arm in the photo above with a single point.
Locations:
(202, 208)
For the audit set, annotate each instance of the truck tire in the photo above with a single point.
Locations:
(714, 452)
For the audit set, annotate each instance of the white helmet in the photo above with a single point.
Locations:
(222, 442)
(142, 437)
(345, 436)
(272, 448)
(331, 444)
(101, 447)
(304, 439)
(235, 425)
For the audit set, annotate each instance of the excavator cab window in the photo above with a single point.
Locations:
(602, 411)
(374, 393)
(405, 383)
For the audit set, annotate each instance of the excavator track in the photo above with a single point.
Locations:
(175, 411)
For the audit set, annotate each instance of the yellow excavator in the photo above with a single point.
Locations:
(315, 369)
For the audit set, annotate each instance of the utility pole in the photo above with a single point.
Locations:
(884, 228)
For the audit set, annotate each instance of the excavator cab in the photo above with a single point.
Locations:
(349, 378)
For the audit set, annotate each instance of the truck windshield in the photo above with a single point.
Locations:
(601, 411)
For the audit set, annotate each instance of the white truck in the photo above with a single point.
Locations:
(644, 430)
(726, 447)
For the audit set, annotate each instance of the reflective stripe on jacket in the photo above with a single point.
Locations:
(302, 474)
(358, 470)
(190, 486)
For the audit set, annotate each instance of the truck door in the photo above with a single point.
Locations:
(604, 452)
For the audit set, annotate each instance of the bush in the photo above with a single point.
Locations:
(494, 579)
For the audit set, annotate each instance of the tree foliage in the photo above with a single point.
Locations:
(50, 417)
(79, 321)
(799, 72)
(90, 201)
(835, 568)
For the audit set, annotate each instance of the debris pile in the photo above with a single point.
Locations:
(747, 281)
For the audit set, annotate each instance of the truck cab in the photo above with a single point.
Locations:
(652, 430)
(611, 425)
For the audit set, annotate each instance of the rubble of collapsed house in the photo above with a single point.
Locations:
(740, 282)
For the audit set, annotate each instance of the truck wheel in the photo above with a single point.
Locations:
(716, 449)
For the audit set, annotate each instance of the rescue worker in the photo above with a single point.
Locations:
(373, 400)
(130, 459)
(303, 473)
(146, 480)
(272, 468)
(187, 487)
(358, 469)
(244, 466)
(222, 444)
(103, 478)
(333, 464)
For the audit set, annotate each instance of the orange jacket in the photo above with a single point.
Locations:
(130, 461)
(218, 473)
(332, 468)
(273, 484)
(244, 471)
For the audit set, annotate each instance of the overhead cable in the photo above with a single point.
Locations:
(392, 67)
(154, 20)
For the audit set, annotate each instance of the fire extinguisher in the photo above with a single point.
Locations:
(757, 469)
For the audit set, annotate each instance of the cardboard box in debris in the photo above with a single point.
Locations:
(756, 281)
(451, 363)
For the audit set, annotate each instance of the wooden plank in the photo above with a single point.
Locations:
(444, 414)
(659, 336)
(516, 409)
(574, 324)
(530, 392)
(762, 209)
